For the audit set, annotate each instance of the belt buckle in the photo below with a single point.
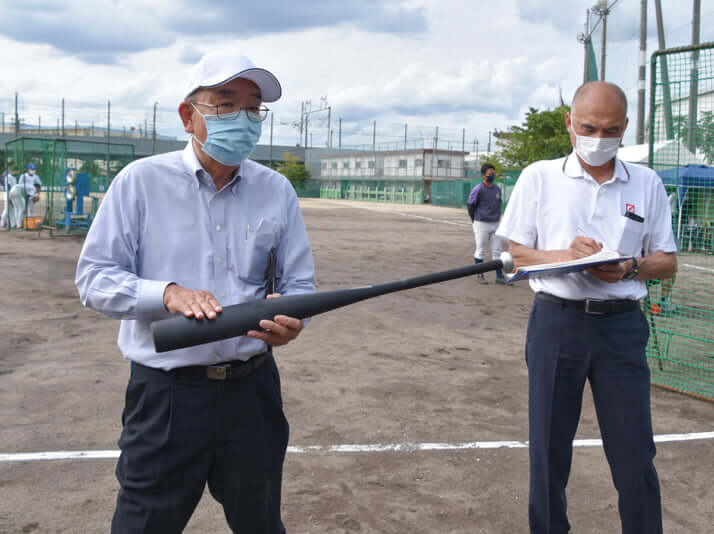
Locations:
(594, 311)
(217, 372)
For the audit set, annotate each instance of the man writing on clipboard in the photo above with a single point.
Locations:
(588, 325)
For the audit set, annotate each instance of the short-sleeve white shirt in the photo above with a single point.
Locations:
(555, 200)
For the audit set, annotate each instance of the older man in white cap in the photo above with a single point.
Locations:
(189, 232)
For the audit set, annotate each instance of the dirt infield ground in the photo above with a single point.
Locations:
(439, 364)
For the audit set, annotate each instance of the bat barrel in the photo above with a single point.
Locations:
(179, 332)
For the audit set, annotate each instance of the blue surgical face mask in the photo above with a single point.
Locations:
(490, 178)
(230, 141)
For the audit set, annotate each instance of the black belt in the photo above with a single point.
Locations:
(593, 306)
(222, 371)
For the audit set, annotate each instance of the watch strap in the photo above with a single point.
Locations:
(633, 272)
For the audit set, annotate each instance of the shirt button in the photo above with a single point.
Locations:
(218, 227)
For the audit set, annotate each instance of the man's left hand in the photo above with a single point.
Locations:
(280, 331)
(611, 272)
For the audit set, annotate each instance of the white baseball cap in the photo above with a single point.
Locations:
(221, 66)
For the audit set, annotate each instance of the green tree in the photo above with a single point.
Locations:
(541, 136)
(293, 170)
(704, 134)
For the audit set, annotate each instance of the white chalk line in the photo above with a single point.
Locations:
(355, 448)
(413, 216)
(698, 267)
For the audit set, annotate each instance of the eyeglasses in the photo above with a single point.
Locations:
(229, 111)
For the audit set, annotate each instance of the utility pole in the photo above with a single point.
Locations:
(602, 10)
(694, 79)
(329, 118)
(109, 125)
(374, 139)
(434, 158)
(302, 117)
(667, 97)
(339, 134)
(271, 139)
(405, 136)
(153, 140)
(586, 39)
(488, 148)
(643, 74)
(463, 140)
(75, 127)
(17, 118)
(63, 117)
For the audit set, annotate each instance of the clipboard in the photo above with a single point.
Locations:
(564, 267)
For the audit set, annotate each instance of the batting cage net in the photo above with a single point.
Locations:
(680, 310)
(74, 175)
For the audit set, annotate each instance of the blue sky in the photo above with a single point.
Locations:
(455, 64)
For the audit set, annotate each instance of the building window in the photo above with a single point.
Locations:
(346, 165)
(324, 165)
(402, 164)
(418, 162)
(370, 164)
(443, 164)
(334, 165)
(358, 164)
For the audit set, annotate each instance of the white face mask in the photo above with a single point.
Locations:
(596, 151)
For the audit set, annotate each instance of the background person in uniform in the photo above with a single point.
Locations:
(33, 195)
(484, 207)
(8, 179)
(189, 232)
(19, 194)
(589, 326)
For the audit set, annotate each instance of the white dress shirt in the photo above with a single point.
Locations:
(555, 200)
(163, 221)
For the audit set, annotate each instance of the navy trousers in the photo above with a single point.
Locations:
(564, 347)
(181, 433)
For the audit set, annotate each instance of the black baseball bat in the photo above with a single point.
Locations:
(179, 331)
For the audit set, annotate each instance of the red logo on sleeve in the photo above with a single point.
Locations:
(630, 208)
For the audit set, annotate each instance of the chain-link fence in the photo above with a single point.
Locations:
(680, 311)
(455, 193)
(73, 177)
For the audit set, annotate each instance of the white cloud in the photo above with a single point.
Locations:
(454, 64)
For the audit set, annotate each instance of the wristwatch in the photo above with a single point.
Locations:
(633, 272)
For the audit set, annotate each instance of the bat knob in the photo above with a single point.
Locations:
(507, 261)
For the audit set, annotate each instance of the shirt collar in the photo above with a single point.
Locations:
(573, 168)
(196, 170)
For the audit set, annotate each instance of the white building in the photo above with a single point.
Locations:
(421, 164)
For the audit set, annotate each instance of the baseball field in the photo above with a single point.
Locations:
(408, 411)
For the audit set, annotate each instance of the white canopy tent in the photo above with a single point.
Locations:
(667, 154)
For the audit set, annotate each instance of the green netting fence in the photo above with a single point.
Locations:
(680, 311)
(455, 193)
(374, 191)
(310, 189)
(75, 174)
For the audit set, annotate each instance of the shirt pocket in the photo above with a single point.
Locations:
(255, 252)
(629, 236)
